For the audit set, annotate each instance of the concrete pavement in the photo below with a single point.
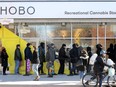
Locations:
(27, 81)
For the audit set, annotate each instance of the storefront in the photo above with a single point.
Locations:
(86, 23)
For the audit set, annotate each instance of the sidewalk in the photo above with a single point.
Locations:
(27, 81)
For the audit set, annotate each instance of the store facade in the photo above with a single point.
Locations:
(86, 23)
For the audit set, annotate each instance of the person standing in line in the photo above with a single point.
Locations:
(83, 63)
(4, 57)
(28, 58)
(41, 51)
(89, 54)
(110, 51)
(74, 58)
(68, 60)
(62, 57)
(114, 53)
(35, 64)
(99, 48)
(50, 58)
(17, 58)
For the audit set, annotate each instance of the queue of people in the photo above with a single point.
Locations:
(77, 57)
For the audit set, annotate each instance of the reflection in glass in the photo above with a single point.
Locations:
(111, 31)
(28, 31)
(58, 31)
(58, 43)
(101, 31)
(86, 31)
(87, 42)
(102, 42)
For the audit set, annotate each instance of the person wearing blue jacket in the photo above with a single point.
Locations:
(28, 58)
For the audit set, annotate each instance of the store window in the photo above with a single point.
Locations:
(84, 30)
(87, 42)
(58, 43)
(111, 30)
(101, 31)
(28, 31)
(58, 30)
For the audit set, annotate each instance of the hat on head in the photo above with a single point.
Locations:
(102, 52)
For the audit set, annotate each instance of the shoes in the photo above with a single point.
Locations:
(50, 75)
(54, 74)
(70, 75)
(37, 78)
(87, 83)
(42, 74)
(4, 74)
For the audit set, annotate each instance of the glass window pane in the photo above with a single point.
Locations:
(84, 30)
(28, 31)
(102, 42)
(58, 42)
(41, 33)
(111, 31)
(101, 31)
(109, 41)
(58, 30)
(87, 42)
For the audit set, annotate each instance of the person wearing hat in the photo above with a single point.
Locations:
(99, 66)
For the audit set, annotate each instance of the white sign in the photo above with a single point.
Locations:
(57, 9)
(6, 21)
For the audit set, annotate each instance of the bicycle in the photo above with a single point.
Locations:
(90, 79)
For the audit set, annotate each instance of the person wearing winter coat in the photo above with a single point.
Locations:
(74, 54)
(17, 58)
(28, 58)
(35, 64)
(89, 54)
(110, 51)
(41, 51)
(50, 58)
(4, 58)
(99, 66)
(83, 63)
(62, 57)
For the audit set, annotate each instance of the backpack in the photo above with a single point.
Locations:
(92, 59)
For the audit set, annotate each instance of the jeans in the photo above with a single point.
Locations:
(100, 79)
(73, 69)
(35, 68)
(17, 64)
(81, 73)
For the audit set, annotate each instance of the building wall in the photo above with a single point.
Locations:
(63, 0)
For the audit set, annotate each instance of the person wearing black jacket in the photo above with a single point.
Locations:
(17, 58)
(74, 54)
(62, 57)
(35, 64)
(99, 66)
(41, 52)
(4, 58)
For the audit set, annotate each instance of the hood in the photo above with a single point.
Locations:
(50, 45)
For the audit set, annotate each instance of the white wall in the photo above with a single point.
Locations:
(64, 0)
